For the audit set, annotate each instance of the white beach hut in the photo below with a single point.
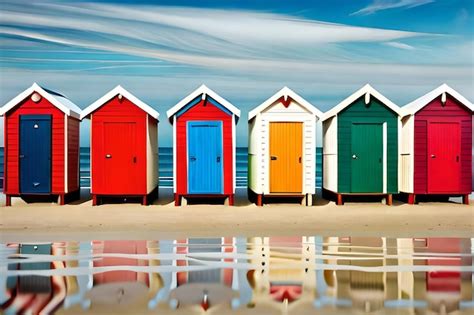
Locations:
(282, 142)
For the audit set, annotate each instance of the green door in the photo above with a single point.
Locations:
(367, 158)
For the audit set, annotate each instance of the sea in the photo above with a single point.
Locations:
(165, 166)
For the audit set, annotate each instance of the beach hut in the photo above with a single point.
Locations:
(282, 141)
(204, 146)
(41, 139)
(124, 147)
(436, 152)
(360, 146)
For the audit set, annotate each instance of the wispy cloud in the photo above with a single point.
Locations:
(380, 5)
(400, 45)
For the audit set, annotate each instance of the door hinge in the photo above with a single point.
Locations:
(273, 158)
(218, 159)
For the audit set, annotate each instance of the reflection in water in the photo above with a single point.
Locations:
(259, 275)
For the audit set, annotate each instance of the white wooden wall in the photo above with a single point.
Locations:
(407, 147)
(330, 154)
(259, 131)
(254, 154)
(151, 155)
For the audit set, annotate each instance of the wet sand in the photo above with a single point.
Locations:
(80, 221)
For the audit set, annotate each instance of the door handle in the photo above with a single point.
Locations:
(22, 156)
(218, 159)
(457, 158)
(192, 158)
(433, 156)
(108, 156)
(354, 157)
(299, 159)
(273, 158)
(36, 184)
(134, 159)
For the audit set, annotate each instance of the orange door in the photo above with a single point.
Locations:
(286, 145)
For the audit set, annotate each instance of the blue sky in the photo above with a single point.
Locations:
(244, 50)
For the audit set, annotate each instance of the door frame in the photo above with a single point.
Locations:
(442, 120)
(267, 119)
(302, 155)
(384, 150)
(99, 121)
(50, 164)
(220, 126)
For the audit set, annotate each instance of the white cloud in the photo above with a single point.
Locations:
(202, 37)
(380, 5)
(399, 45)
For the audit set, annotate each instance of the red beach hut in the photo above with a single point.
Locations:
(41, 139)
(124, 147)
(436, 154)
(204, 146)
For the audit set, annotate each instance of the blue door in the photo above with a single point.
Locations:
(205, 158)
(35, 154)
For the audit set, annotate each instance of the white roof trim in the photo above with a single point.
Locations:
(58, 100)
(285, 92)
(114, 92)
(203, 90)
(418, 104)
(366, 89)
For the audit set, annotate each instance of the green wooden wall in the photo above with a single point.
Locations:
(359, 112)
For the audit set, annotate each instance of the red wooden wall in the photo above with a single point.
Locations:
(452, 111)
(124, 110)
(201, 112)
(12, 148)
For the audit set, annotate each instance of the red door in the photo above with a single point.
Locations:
(121, 165)
(444, 154)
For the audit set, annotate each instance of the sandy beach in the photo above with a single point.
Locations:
(81, 221)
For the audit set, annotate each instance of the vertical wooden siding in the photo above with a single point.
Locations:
(377, 113)
(73, 154)
(123, 111)
(12, 130)
(196, 113)
(453, 111)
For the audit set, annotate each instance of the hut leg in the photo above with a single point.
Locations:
(94, 200)
(62, 198)
(411, 199)
(231, 200)
(389, 200)
(465, 199)
(339, 202)
(177, 200)
(260, 200)
(8, 200)
(303, 201)
(145, 200)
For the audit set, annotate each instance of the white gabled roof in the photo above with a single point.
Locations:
(365, 90)
(413, 107)
(55, 98)
(285, 92)
(114, 92)
(203, 91)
